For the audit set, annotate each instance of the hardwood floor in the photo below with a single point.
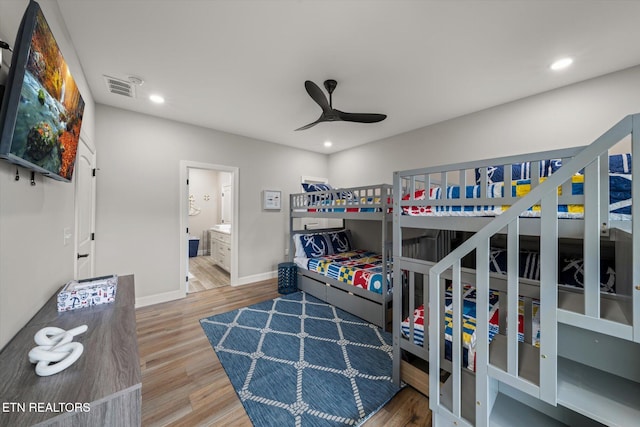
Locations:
(183, 382)
(206, 275)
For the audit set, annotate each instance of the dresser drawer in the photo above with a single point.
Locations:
(221, 237)
(225, 260)
(222, 250)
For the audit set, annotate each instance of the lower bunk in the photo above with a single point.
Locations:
(355, 280)
(333, 270)
(598, 378)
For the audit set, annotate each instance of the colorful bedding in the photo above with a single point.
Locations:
(358, 268)
(374, 204)
(619, 199)
(469, 324)
(618, 164)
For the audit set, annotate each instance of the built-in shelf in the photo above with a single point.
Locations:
(611, 305)
(586, 395)
(607, 398)
(508, 412)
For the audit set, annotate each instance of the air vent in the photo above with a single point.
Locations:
(120, 87)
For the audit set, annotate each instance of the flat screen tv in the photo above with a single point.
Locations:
(42, 108)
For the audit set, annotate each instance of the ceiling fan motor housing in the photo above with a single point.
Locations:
(330, 85)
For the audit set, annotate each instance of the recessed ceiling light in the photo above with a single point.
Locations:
(561, 64)
(328, 143)
(157, 99)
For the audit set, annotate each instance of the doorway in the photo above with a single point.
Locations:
(209, 225)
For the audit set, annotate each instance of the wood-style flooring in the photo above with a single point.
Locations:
(183, 382)
(205, 274)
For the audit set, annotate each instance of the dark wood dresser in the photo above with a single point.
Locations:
(103, 387)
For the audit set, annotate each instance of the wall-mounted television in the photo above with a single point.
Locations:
(42, 108)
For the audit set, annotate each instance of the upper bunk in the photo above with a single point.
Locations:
(371, 202)
(431, 197)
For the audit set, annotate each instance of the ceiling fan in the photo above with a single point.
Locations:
(330, 114)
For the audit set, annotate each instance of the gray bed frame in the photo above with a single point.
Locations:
(376, 199)
(585, 371)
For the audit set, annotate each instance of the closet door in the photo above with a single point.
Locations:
(85, 188)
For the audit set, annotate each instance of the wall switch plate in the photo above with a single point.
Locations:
(286, 252)
(66, 236)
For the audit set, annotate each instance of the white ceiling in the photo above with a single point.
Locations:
(239, 65)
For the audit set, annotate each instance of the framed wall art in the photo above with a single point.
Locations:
(271, 199)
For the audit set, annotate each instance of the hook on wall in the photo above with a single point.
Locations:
(33, 178)
(4, 45)
(17, 178)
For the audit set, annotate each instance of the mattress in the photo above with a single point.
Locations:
(469, 339)
(570, 268)
(619, 199)
(359, 268)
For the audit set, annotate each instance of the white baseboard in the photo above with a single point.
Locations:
(159, 298)
(174, 295)
(255, 278)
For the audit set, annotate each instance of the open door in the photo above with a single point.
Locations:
(184, 193)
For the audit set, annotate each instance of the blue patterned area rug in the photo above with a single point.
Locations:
(297, 361)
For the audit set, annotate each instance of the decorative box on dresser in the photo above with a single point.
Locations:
(104, 385)
(220, 242)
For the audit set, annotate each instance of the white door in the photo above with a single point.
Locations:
(227, 204)
(186, 231)
(84, 176)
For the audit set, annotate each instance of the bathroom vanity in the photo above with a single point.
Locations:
(220, 242)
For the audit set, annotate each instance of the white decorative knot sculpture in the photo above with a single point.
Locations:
(55, 351)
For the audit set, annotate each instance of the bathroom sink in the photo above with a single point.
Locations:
(225, 228)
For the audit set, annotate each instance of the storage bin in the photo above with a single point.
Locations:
(287, 278)
(193, 246)
(87, 292)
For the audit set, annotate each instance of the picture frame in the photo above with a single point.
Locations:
(271, 200)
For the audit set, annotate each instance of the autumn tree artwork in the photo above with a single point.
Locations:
(51, 107)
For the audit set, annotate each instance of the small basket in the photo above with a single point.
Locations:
(287, 278)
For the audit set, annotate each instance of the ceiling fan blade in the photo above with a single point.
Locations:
(321, 119)
(317, 95)
(361, 117)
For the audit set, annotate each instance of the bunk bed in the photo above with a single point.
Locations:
(330, 267)
(572, 358)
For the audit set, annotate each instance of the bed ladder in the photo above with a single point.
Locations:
(593, 159)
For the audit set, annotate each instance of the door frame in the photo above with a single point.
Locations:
(86, 142)
(183, 236)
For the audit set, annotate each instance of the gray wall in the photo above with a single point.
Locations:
(138, 202)
(571, 116)
(34, 263)
(138, 219)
